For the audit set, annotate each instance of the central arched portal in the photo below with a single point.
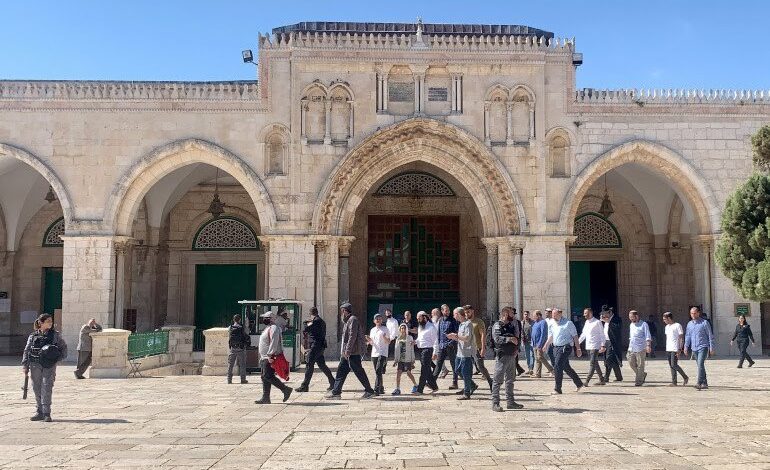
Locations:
(421, 199)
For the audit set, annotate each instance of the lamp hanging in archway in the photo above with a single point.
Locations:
(216, 207)
(50, 195)
(606, 209)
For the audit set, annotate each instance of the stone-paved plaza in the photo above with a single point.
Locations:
(200, 422)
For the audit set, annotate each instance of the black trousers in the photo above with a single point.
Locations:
(379, 363)
(743, 346)
(269, 379)
(612, 363)
(426, 370)
(479, 361)
(449, 352)
(346, 365)
(561, 366)
(316, 356)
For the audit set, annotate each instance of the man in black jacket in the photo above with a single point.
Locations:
(316, 332)
(613, 327)
(238, 342)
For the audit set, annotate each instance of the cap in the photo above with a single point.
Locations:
(347, 306)
(266, 315)
(378, 315)
(549, 310)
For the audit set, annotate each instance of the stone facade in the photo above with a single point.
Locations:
(338, 110)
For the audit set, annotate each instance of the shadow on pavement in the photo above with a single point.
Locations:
(94, 421)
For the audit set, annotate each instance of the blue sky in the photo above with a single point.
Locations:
(661, 44)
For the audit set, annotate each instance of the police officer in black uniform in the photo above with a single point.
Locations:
(316, 331)
(238, 341)
(45, 347)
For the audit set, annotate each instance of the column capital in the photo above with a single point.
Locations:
(344, 243)
(706, 240)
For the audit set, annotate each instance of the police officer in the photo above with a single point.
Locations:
(238, 342)
(45, 347)
(316, 332)
(505, 336)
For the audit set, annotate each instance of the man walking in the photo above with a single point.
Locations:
(699, 339)
(505, 335)
(480, 337)
(549, 321)
(379, 338)
(84, 347)
(674, 346)
(270, 347)
(316, 333)
(526, 339)
(392, 325)
(563, 335)
(653, 334)
(539, 337)
(612, 331)
(466, 351)
(352, 348)
(593, 335)
(447, 348)
(238, 341)
(639, 345)
(427, 348)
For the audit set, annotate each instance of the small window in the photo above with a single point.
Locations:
(54, 233)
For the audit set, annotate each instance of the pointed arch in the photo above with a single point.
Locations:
(129, 191)
(433, 142)
(684, 178)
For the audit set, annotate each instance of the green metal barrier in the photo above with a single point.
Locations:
(288, 339)
(147, 344)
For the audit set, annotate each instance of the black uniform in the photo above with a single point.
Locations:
(238, 342)
(316, 331)
(614, 353)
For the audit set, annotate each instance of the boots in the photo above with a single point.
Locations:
(265, 400)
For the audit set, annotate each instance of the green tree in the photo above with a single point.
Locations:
(743, 252)
(760, 142)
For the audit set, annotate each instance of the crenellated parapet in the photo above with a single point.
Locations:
(668, 96)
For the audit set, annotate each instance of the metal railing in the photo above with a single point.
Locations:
(147, 344)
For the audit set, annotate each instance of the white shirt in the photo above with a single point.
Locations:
(673, 332)
(392, 325)
(427, 336)
(639, 334)
(593, 334)
(380, 339)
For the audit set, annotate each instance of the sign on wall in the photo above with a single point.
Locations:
(438, 94)
(742, 309)
(401, 92)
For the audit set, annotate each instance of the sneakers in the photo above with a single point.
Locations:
(751, 364)
(367, 395)
(600, 383)
(684, 383)
(445, 373)
(556, 392)
(464, 397)
(396, 392)
(331, 387)
(38, 417)
(302, 389)
(287, 394)
(453, 387)
(475, 386)
(229, 381)
(333, 396)
(497, 408)
(414, 389)
(460, 392)
(514, 406)
(78, 376)
(579, 388)
(262, 401)
(47, 418)
(244, 381)
(433, 390)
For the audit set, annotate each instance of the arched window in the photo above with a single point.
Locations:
(594, 231)
(54, 232)
(225, 233)
(558, 150)
(415, 184)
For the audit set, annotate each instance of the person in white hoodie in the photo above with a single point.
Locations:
(593, 335)
(392, 325)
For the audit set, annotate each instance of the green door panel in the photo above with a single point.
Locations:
(218, 288)
(52, 290)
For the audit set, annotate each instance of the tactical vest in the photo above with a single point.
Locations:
(39, 340)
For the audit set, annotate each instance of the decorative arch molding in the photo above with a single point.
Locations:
(53, 234)
(46, 172)
(134, 184)
(687, 181)
(191, 227)
(225, 233)
(415, 183)
(594, 231)
(435, 143)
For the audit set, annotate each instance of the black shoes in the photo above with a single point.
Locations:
(262, 401)
(47, 418)
(38, 417)
(367, 395)
(244, 381)
(464, 397)
(287, 394)
(453, 386)
(79, 376)
(301, 389)
(497, 408)
(514, 406)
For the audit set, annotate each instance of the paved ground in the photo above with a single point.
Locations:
(200, 422)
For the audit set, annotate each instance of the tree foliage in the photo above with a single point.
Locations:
(760, 142)
(743, 252)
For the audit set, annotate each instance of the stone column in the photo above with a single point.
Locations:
(491, 245)
(351, 120)
(385, 94)
(509, 123)
(328, 273)
(517, 280)
(328, 127)
(531, 121)
(545, 271)
(6, 285)
(215, 355)
(343, 278)
(291, 267)
(302, 127)
(88, 285)
(505, 274)
(120, 281)
(109, 353)
(487, 139)
(418, 82)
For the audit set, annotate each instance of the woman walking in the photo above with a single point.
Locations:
(404, 357)
(45, 347)
(743, 335)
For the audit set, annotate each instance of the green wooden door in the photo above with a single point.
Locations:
(52, 287)
(579, 286)
(218, 288)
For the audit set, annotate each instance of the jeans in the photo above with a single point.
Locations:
(541, 359)
(700, 359)
(379, 363)
(561, 366)
(673, 363)
(464, 367)
(346, 365)
(637, 360)
(236, 355)
(426, 370)
(449, 352)
(594, 365)
(529, 353)
(316, 356)
(742, 347)
(269, 379)
(505, 370)
(612, 363)
(84, 360)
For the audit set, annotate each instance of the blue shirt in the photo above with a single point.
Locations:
(698, 335)
(539, 333)
(562, 332)
(446, 325)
